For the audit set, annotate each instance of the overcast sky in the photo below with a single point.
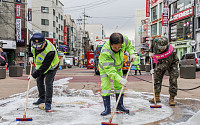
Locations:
(115, 15)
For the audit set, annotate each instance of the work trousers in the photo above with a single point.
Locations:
(46, 90)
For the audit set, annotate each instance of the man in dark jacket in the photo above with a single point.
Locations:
(46, 63)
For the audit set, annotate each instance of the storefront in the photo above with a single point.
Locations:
(181, 26)
(9, 47)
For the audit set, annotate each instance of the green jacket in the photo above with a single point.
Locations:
(110, 63)
(137, 60)
(41, 56)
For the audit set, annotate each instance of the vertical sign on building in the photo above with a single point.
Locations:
(29, 14)
(65, 35)
(165, 19)
(18, 22)
(147, 8)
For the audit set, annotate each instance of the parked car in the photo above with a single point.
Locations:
(192, 58)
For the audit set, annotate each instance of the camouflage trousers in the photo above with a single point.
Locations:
(173, 75)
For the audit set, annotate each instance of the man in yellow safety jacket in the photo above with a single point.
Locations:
(110, 67)
(46, 64)
(136, 63)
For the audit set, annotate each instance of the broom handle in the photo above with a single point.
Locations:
(29, 81)
(154, 98)
(120, 94)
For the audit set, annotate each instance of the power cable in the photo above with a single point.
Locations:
(166, 85)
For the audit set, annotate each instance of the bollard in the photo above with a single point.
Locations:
(15, 71)
(2, 72)
(188, 71)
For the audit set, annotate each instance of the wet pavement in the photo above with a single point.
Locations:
(187, 102)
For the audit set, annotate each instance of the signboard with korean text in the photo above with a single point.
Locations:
(29, 14)
(18, 12)
(18, 29)
(183, 14)
(148, 8)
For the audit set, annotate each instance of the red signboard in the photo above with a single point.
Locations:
(90, 60)
(65, 29)
(153, 2)
(147, 8)
(65, 39)
(18, 12)
(183, 14)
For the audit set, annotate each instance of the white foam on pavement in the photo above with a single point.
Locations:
(79, 107)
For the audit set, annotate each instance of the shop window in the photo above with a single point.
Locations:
(154, 13)
(44, 21)
(45, 33)
(173, 32)
(44, 9)
(161, 10)
(154, 29)
(160, 28)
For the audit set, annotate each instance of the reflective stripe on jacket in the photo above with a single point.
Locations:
(110, 62)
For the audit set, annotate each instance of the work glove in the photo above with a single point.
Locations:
(31, 79)
(133, 57)
(123, 82)
(152, 71)
(151, 54)
(30, 60)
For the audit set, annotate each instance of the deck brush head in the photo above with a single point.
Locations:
(24, 119)
(108, 123)
(156, 106)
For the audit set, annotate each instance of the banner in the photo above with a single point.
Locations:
(18, 29)
(29, 14)
(18, 13)
(147, 8)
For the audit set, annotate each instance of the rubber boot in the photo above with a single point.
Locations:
(135, 72)
(39, 101)
(157, 95)
(106, 100)
(140, 72)
(120, 105)
(171, 100)
(47, 106)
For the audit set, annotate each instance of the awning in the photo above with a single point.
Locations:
(9, 44)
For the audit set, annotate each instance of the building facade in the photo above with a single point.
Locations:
(181, 26)
(48, 19)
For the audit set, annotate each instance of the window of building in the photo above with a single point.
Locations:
(45, 33)
(54, 12)
(160, 28)
(59, 37)
(173, 8)
(62, 38)
(54, 24)
(161, 9)
(61, 27)
(56, 19)
(61, 17)
(198, 22)
(154, 29)
(44, 21)
(54, 35)
(154, 13)
(56, 29)
(44, 9)
(56, 2)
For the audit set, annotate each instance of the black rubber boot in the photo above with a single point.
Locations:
(47, 106)
(120, 104)
(39, 101)
(106, 100)
(135, 72)
(140, 72)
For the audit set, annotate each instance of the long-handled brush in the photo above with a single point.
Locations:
(109, 123)
(24, 116)
(154, 99)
